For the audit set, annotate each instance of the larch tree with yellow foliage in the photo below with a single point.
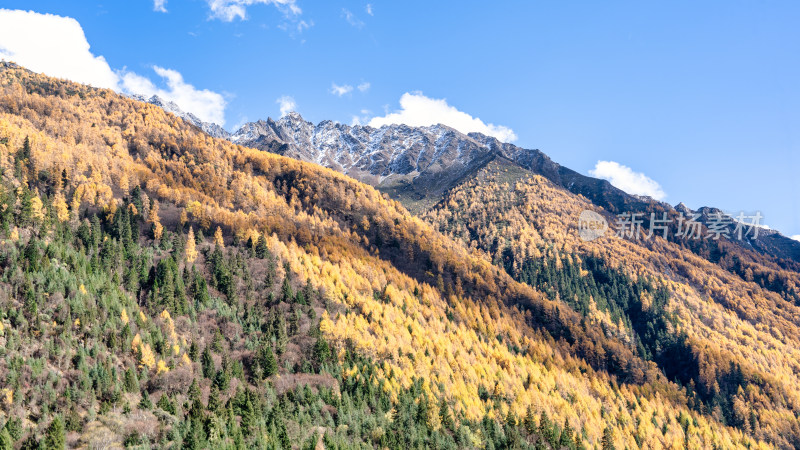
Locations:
(218, 239)
(191, 250)
(60, 208)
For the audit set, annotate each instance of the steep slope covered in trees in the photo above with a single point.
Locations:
(416, 165)
(730, 337)
(316, 309)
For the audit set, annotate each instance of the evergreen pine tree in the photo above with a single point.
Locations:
(546, 428)
(14, 427)
(322, 351)
(261, 247)
(6, 443)
(145, 402)
(214, 403)
(222, 380)
(445, 416)
(529, 421)
(267, 360)
(287, 294)
(281, 337)
(194, 390)
(269, 277)
(567, 436)
(608, 439)
(55, 439)
(166, 404)
(248, 418)
(131, 381)
(207, 363)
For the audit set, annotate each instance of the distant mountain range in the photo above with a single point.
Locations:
(417, 165)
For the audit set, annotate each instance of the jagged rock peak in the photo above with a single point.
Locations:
(210, 128)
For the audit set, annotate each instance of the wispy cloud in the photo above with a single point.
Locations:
(160, 6)
(627, 179)
(229, 10)
(351, 18)
(419, 110)
(345, 89)
(796, 237)
(57, 46)
(368, 9)
(362, 119)
(286, 104)
(339, 91)
(205, 104)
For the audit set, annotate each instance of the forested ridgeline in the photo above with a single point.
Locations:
(161, 288)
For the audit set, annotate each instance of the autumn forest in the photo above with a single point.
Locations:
(160, 288)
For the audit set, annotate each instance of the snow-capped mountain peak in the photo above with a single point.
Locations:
(211, 129)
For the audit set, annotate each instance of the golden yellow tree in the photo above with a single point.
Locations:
(158, 229)
(191, 250)
(76, 204)
(162, 367)
(124, 183)
(184, 218)
(60, 208)
(218, 238)
(36, 206)
(147, 359)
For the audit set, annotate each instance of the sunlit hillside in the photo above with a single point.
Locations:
(162, 288)
(731, 341)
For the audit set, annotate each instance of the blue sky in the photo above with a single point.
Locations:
(701, 97)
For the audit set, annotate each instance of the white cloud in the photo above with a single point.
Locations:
(209, 106)
(228, 10)
(57, 46)
(796, 237)
(286, 104)
(341, 90)
(295, 27)
(419, 110)
(626, 179)
(344, 89)
(351, 18)
(53, 45)
(160, 5)
(362, 119)
(368, 9)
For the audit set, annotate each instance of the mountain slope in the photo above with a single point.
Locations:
(212, 129)
(416, 165)
(320, 308)
(732, 341)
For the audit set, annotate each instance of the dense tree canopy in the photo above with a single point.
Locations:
(316, 309)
